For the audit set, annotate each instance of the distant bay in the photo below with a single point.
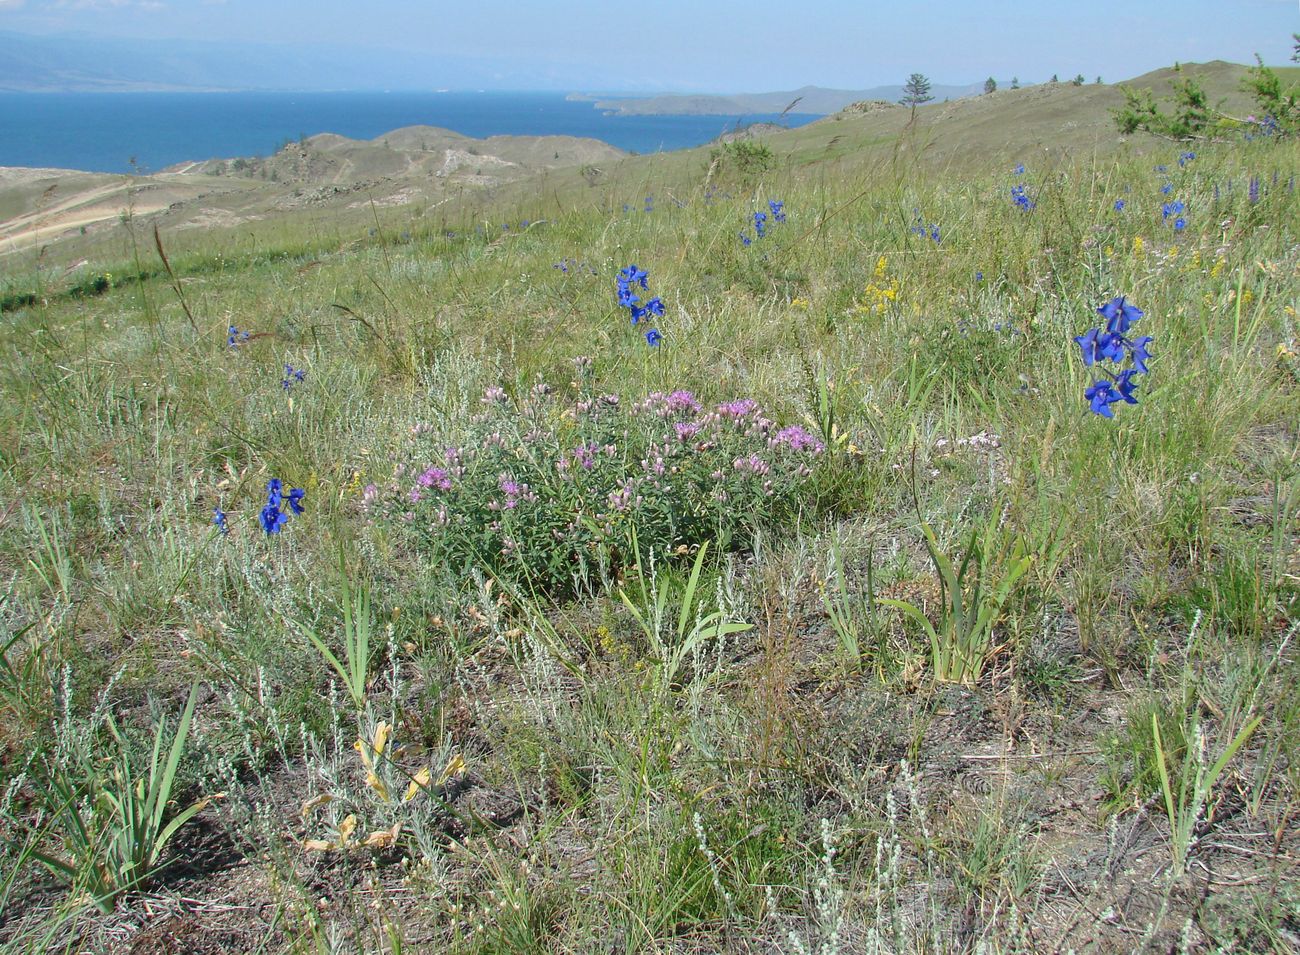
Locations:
(106, 132)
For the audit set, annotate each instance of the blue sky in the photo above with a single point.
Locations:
(729, 46)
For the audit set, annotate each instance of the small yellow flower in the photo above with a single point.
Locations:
(1139, 247)
(801, 303)
(1217, 268)
(1110, 251)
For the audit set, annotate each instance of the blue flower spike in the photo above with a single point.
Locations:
(1113, 345)
(624, 282)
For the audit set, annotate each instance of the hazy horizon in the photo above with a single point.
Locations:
(677, 46)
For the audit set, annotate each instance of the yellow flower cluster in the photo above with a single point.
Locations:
(881, 291)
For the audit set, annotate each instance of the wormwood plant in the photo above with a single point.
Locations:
(115, 826)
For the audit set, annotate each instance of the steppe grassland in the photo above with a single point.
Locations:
(540, 766)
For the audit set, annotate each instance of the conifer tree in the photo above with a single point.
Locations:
(916, 91)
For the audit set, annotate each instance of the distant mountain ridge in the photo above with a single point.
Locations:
(73, 63)
(808, 99)
(81, 63)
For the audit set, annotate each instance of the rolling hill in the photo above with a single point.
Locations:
(423, 171)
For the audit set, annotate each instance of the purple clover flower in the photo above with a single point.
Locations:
(799, 439)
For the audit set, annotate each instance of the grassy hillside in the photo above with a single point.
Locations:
(517, 632)
(321, 191)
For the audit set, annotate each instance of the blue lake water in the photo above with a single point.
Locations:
(104, 132)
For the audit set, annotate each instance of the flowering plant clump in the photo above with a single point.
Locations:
(272, 517)
(1113, 344)
(235, 337)
(1174, 210)
(1020, 196)
(292, 376)
(919, 228)
(627, 281)
(776, 209)
(881, 292)
(567, 265)
(553, 491)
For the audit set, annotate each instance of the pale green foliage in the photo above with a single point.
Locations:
(354, 667)
(852, 612)
(115, 824)
(673, 642)
(972, 593)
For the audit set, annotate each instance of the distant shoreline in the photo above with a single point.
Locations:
(124, 132)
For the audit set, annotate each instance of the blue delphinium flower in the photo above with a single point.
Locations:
(1180, 224)
(1119, 205)
(1162, 168)
(979, 276)
(760, 224)
(1101, 394)
(291, 377)
(234, 337)
(626, 279)
(1112, 345)
(219, 519)
(634, 276)
(1120, 315)
(920, 228)
(1185, 158)
(1174, 208)
(1140, 354)
(1253, 190)
(1125, 384)
(1019, 170)
(1089, 344)
(778, 210)
(653, 337)
(1166, 188)
(745, 240)
(272, 517)
(1020, 196)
